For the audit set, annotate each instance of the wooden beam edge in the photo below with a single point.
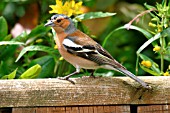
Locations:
(85, 91)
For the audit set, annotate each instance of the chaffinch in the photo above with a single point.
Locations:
(82, 51)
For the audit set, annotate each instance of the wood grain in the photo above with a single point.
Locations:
(86, 91)
(79, 109)
(154, 109)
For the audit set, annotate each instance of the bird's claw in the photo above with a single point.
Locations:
(67, 79)
(91, 76)
(148, 87)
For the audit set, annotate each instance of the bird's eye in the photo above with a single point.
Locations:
(53, 18)
(59, 20)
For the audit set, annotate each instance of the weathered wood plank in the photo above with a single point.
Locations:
(79, 109)
(38, 110)
(24, 110)
(86, 91)
(100, 109)
(154, 109)
(91, 109)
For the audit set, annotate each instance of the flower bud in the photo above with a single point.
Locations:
(157, 48)
(61, 58)
(55, 47)
(146, 63)
(166, 74)
(151, 24)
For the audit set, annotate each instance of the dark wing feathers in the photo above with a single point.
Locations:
(91, 47)
(94, 53)
(103, 52)
(72, 48)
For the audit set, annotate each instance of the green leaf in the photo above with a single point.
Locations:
(32, 72)
(149, 6)
(154, 67)
(22, 37)
(11, 43)
(151, 40)
(3, 28)
(40, 30)
(92, 15)
(20, 11)
(11, 75)
(150, 71)
(167, 53)
(7, 51)
(37, 48)
(8, 37)
(47, 63)
(164, 33)
(144, 32)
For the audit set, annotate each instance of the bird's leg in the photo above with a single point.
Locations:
(68, 76)
(92, 74)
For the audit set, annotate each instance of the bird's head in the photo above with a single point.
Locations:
(60, 23)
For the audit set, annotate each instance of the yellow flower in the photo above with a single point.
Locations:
(39, 40)
(157, 48)
(76, 7)
(166, 74)
(146, 63)
(169, 67)
(61, 58)
(151, 24)
(159, 28)
(69, 8)
(56, 8)
(55, 47)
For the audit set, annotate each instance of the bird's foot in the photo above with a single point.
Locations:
(88, 76)
(148, 87)
(91, 76)
(67, 79)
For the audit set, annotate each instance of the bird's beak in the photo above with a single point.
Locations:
(49, 23)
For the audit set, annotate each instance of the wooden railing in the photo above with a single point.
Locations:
(87, 95)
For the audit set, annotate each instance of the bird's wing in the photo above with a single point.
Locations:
(94, 52)
(91, 51)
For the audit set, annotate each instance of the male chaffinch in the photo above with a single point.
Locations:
(82, 51)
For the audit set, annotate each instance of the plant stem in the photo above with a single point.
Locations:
(162, 53)
(162, 62)
(137, 63)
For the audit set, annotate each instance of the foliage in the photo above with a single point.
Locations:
(47, 64)
(160, 31)
(33, 54)
(160, 24)
(69, 8)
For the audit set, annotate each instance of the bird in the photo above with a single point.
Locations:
(83, 52)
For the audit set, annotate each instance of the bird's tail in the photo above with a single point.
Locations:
(131, 75)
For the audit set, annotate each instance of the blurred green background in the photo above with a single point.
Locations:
(25, 20)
